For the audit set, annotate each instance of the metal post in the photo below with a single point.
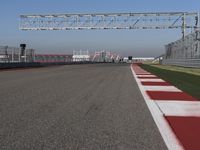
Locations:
(33, 55)
(183, 34)
(25, 55)
(196, 30)
(183, 26)
(12, 55)
(198, 33)
(19, 56)
(198, 22)
(6, 54)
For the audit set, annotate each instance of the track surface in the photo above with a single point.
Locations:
(79, 107)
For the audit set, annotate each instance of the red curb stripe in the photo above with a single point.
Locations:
(155, 83)
(165, 95)
(187, 130)
(140, 71)
(148, 77)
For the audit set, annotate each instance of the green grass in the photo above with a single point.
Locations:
(186, 82)
(195, 71)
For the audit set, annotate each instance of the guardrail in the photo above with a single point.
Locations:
(195, 63)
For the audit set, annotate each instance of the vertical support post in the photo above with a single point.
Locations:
(19, 56)
(196, 28)
(33, 55)
(183, 26)
(183, 34)
(104, 21)
(12, 56)
(198, 22)
(90, 18)
(25, 55)
(77, 22)
(198, 33)
(6, 54)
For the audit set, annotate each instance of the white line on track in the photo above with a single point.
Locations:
(151, 80)
(143, 74)
(146, 76)
(180, 108)
(166, 132)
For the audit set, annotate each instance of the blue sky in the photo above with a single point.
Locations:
(126, 42)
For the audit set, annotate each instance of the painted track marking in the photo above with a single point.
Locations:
(168, 95)
(180, 108)
(161, 88)
(156, 83)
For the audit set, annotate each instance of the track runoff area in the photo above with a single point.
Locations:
(176, 113)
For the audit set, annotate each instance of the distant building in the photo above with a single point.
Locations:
(140, 59)
(81, 56)
(106, 56)
(131, 59)
(14, 54)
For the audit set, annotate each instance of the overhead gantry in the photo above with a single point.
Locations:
(90, 21)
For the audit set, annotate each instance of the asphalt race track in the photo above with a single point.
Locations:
(75, 107)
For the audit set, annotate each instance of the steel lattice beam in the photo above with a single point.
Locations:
(157, 20)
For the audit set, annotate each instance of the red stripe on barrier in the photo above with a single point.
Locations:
(165, 95)
(187, 130)
(155, 83)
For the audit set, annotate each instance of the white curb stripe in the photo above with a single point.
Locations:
(180, 108)
(146, 76)
(162, 88)
(151, 80)
(143, 73)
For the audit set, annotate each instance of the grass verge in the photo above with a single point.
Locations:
(195, 71)
(186, 82)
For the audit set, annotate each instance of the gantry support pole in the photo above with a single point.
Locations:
(183, 26)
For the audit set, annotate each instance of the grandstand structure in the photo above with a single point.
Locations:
(184, 52)
(81, 55)
(105, 56)
(52, 58)
(14, 54)
(100, 56)
(189, 48)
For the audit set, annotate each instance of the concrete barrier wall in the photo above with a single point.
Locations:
(38, 64)
(18, 65)
(182, 62)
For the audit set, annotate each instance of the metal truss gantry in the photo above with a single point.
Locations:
(158, 20)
